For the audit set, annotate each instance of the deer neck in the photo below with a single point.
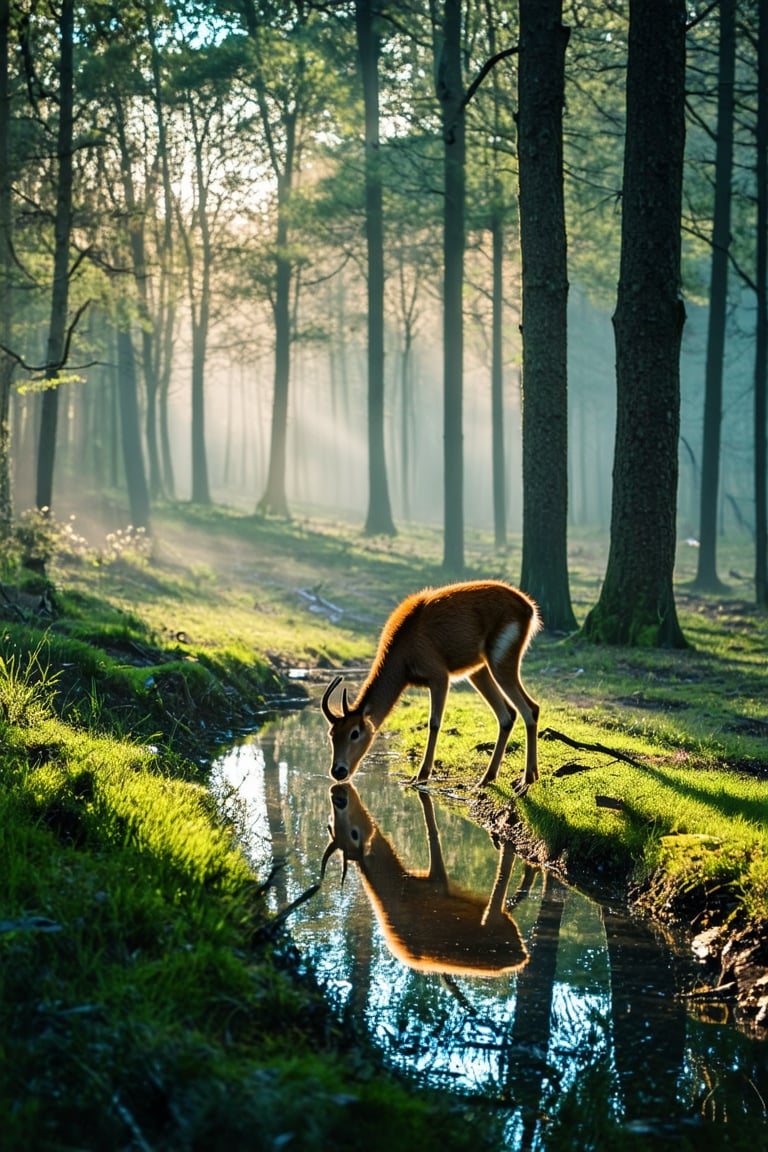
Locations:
(381, 871)
(382, 689)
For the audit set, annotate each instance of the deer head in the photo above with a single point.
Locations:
(350, 732)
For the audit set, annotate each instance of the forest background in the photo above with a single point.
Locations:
(191, 270)
(360, 261)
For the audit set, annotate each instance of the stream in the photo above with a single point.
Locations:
(477, 974)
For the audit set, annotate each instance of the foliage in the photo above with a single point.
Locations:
(171, 102)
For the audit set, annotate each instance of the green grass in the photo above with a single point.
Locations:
(139, 1004)
(695, 721)
(689, 827)
(141, 1000)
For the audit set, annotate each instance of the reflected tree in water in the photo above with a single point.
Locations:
(279, 840)
(649, 1044)
(533, 1010)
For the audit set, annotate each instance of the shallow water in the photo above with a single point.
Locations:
(474, 973)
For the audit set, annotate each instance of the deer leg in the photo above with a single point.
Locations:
(494, 909)
(485, 684)
(438, 693)
(507, 675)
(438, 873)
(524, 888)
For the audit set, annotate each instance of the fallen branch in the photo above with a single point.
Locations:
(270, 928)
(581, 746)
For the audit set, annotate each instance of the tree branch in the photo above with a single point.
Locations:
(580, 746)
(702, 16)
(71, 330)
(41, 369)
(486, 68)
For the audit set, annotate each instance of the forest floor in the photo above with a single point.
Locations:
(654, 763)
(122, 670)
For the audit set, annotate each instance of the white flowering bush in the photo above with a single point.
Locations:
(38, 536)
(126, 542)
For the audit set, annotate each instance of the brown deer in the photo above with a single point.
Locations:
(429, 922)
(479, 630)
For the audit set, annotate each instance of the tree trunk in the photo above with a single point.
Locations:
(200, 488)
(158, 377)
(281, 159)
(113, 375)
(450, 92)
(379, 518)
(6, 301)
(130, 426)
(169, 482)
(200, 310)
(138, 254)
(60, 289)
(497, 386)
(406, 422)
(541, 85)
(408, 309)
(275, 498)
(761, 346)
(706, 576)
(637, 604)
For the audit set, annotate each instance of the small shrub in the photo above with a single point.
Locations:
(27, 687)
(34, 539)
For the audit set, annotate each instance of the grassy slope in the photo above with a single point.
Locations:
(691, 809)
(144, 1000)
(135, 997)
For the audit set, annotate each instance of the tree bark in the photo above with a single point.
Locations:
(130, 427)
(169, 482)
(199, 311)
(200, 489)
(637, 604)
(6, 298)
(408, 298)
(379, 518)
(60, 289)
(282, 160)
(497, 386)
(275, 498)
(761, 342)
(706, 576)
(157, 413)
(136, 228)
(450, 92)
(541, 86)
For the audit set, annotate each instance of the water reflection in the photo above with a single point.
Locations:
(571, 1021)
(429, 922)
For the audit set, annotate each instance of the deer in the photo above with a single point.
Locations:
(478, 630)
(430, 923)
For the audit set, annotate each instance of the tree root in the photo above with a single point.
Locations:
(581, 746)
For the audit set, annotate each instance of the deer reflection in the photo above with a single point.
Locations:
(430, 923)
